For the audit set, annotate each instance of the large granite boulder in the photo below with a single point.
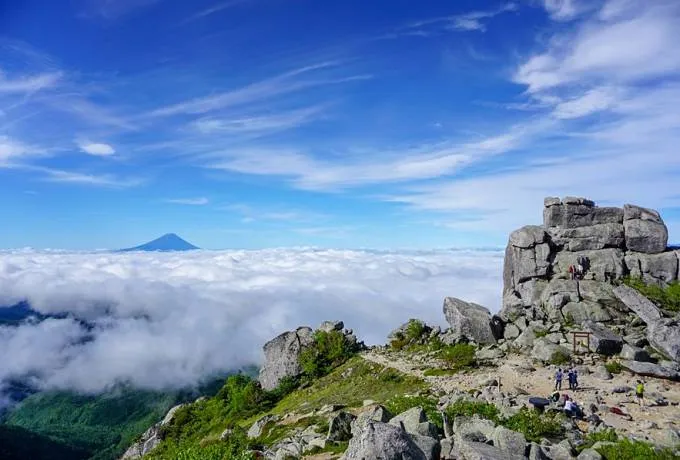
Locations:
(340, 427)
(602, 340)
(664, 335)
(575, 212)
(377, 440)
(414, 421)
(644, 230)
(637, 303)
(282, 356)
(580, 312)
(546, 352)
(659, 268)
(591, 237)
(469, 320)
(557, 294)
(526, 256)
(650, 369)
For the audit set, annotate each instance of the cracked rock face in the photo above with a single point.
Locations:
(281, 356)
(609, 244)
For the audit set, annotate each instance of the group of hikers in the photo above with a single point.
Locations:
(577, 270)
(571, 408)
(572, 376)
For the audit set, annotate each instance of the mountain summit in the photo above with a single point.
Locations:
(167, 242)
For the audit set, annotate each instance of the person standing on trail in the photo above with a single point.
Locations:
(558, 379)
(571, 272)
(575, 378)
(640, 393)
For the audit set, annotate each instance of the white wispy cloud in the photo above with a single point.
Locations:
(165, 320)
(12, 150)
(425, 162)
(29, 83)
(189, 201)
(258, 124)
(73, 177)
(216, 8)
(289, 82)
(472, 21)
(96, 148)
(113, 9)
(565, 10)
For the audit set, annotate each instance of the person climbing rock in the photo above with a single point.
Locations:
(571, 272)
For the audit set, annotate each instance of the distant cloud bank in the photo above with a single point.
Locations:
(162, 320)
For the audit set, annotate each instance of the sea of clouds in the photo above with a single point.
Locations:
(162, 320)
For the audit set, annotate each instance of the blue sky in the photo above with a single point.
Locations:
(386, 124)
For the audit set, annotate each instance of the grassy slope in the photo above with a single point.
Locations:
(349, 384)
(101, 425)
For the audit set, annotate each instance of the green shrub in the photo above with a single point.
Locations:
(667, 297)
(464, 407)
(626, 449)
(414, 333)
(402, 403)
(559, 357)
(534, 425)
(540, 332)
(458, 356)
(608, 435)
(328, 351)
(614, 367)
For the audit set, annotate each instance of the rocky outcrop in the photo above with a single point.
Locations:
(469, 320)
(151, 437)
(281, 356)
(384, 441)
(641, 305)
(644, 229)
(602, 340)
(282, 353)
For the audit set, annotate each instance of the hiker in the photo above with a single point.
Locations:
(571, 272)
(558, 379)
(571, 409)
(640, 393)
(575, 378)
(579, 271)
(570, 377)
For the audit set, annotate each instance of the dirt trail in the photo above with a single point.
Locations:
(517, 373)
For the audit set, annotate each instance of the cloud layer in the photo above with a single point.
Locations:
(165, 320)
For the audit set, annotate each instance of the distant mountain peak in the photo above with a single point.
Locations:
(167, 242)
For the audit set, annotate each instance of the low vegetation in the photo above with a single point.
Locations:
(614, 367)
(608, 435)
(666, 297)
(414, 334)
(535, 425)
(626, 449)
(467, 408)
(559, 357)
(328, 351)
(459, 356)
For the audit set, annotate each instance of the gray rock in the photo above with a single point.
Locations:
(636, 339)
(600, 293)
(526, 339)
(537, 452)
(584, 214)
(449, 449)
(664, 335)
(602, 373)
(561, 451)
(511, 331)
(428, 445)
(376, 440)
(256, 429)
(551, 201)
(328, 326)
(545, 351)
(340, 427)
(602, 340)
(526, 256)
(281, 356)
(472, 450)
(469, 320)
(489, 354)
(653, 268)
(508, 440)
(557, 294)
(650, 369)
(670, 437)
(589, 454)
(634, 353)
(473, 428)
(644, 229)
(637, 303)
(604, 265)
(513, 307)
(150, 438)
(588, 238)
(373, 412)
(580, 312)
(414, 421)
